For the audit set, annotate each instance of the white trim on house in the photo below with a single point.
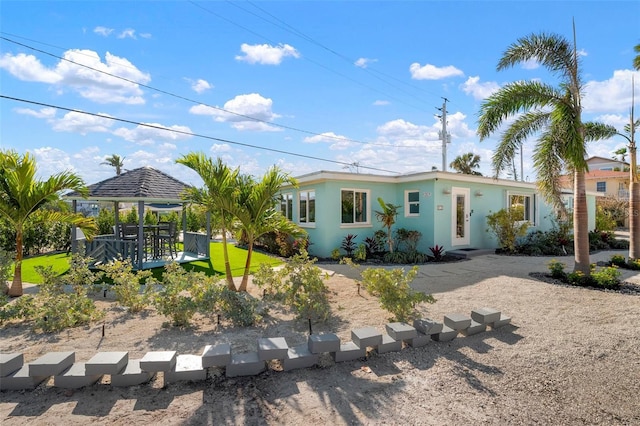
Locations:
(408, 204)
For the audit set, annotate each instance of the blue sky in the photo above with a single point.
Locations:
(371, 73)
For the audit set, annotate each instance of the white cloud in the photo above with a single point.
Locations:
(252, 105)
(338, 142)
(145, 35)
(94, 84)
(479, 90)
(531, 64)
(103, 31)
(145, 135)
(616, 120)
(128, 33)
(76, 122)
(220, 147)
(610, 95)
(46, 113)
(51, 161)
(200, 85)
(364, 62)
(266, 54)
(431, 72)
(381, 103)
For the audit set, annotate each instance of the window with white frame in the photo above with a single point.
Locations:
(523, 206)
(307, 207)
(601, 186)
(286, 205)
(412, 203)
(354, 206)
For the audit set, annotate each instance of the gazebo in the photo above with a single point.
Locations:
(144, 186)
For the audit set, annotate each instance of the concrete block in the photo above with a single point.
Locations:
(474, 328)
(389, 344)
(320, 343)
(504, 320)
(21, 380)
(485, 315)
(457, 321)
(188, 368)
(216, 356)
(10, 363)
(132, 375)
(401, 331)
(349, 351)
(51, 364)
(427, 326)
(158, 361)
(366, 337)
(299, 357)
(245, 364)
(419, 341)
(75, 377)
(446, 335)
(106, 363)
(272, 348)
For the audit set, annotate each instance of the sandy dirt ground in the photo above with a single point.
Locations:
(570, 356)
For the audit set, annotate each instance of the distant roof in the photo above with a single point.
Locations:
(595, 174)
(143, 184)
(606, 160)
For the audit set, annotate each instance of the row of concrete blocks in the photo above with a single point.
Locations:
(15, 375)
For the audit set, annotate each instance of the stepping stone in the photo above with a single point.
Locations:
(272, 348)
(389, 344)
(299, 357)
(366, 337)
(21, 380)
(188, 367)
(419, 341)
(457, 321)
(106, 363)
(485, 315)
(349, 351)
(10, 363)
(320, 343)
(446, 335)
(158, 361)
(504, 320)
(132, 375)
(245, 364)
(474, 328)
(51, 364)
(401, 331)
(75, 377)
(427, 326)
(216, 356)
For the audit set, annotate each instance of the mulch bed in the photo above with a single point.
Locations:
(624, 288)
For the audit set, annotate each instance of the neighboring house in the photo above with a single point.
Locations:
(605, 183)
(610, 164)
(449, 209)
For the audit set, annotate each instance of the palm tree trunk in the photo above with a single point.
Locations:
(580, 225)
(247, 267)
(390, 238)
(16, 285)
(227, 265)
(634, 218)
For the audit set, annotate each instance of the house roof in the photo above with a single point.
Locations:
(606, 160)
(599, 174)
(142, 184)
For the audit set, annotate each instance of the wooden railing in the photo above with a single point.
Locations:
(106, 248)
(196, 243)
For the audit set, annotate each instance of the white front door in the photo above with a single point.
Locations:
(460, 216)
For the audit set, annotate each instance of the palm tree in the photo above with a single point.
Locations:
(634, 185)
(636, 60)
(387, 216)
(555, 115)
(257, 214)
(622, 152)
(115, 161)
(217, 195)
(466, 163)
(22, 194)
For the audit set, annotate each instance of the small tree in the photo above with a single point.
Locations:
(114, 161)
(387, 216)
(506, 226)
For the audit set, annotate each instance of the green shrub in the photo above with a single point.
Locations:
(82, 278)
(618, 260)
(361, 253)
(604, 219)
(335, 254)
(607, 277)
(392, 288)
(557, 269)
(396, 257)
(507, 228)
(6, 265)
(127, 284)
(239, 307)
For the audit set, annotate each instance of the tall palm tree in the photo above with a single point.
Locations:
(217, 195)
(555, 115)
(466, 163)
(115, 161)
(634, 182)
(257, 214)
(636, 60)
(387, 216)
(22, 194)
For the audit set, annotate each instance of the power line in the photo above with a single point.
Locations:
(128, 80)
(182, 132)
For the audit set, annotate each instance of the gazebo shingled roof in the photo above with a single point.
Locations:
(142, 184)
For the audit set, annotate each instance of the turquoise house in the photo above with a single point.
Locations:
(448, 209)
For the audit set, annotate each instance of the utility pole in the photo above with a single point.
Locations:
(444, 136)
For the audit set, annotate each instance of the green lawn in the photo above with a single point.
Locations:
(237, 258)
